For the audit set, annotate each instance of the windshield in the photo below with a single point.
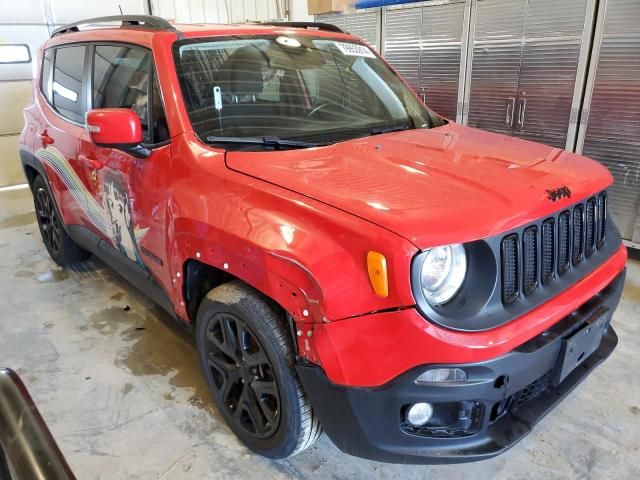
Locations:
(313, 91)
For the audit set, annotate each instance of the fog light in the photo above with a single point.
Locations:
(442, 419)
(419, 414)
(443, 375)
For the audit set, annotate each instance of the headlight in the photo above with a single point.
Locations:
(443, 272)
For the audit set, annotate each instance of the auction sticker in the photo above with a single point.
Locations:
(354, 50)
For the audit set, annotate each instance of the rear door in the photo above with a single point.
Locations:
(132, 192)
(63, 104)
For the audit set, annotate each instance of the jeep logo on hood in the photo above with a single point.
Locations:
(559, 193)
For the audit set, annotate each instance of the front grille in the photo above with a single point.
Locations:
(552, 247)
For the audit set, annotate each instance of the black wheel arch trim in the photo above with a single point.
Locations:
(28, 159)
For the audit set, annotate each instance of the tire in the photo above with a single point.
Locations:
(61, 248)
(248, 362)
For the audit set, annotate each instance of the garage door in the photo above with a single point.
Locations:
(364, 24)
(24, 26)
(610, 122)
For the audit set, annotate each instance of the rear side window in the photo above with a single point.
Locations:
(68, 81)
(47, 68)
(121, 79)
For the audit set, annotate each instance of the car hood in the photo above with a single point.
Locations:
(432, 186)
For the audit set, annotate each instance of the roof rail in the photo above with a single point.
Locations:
(150, 22)
(309, 25)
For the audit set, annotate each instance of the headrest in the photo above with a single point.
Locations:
(245, 67)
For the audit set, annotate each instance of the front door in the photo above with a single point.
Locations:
(132, 191)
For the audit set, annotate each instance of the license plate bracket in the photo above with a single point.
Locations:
(581, 344)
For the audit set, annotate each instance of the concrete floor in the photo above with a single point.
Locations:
(122, 393)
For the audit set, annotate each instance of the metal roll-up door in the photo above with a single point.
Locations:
(336, 19)
(442, 31)
(402, 31)
(365, 25)
(610, 120)
(497, 32)
(551, 62)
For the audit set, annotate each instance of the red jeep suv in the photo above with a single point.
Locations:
(348, 260)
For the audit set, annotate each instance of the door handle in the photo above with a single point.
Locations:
(522, 108)
(46, 139)
(511, 104)
(91, 161)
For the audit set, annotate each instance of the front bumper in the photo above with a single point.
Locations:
(511, 394)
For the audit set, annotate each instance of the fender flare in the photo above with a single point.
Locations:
(275, 274)
(28, 159)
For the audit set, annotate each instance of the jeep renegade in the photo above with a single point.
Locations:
(348, 260)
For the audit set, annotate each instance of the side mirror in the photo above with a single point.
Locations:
(118, 128)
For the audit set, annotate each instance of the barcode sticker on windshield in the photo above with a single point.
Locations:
(354, 50)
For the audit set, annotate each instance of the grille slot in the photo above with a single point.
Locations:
(539, 253)
(548, 250)
(530, 260)
(563, 242)
(590, 227)
(577, 242)
(602, 218)
(510, 282)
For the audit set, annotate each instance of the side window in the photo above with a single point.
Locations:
(121, 80)
(68, 82)
(45, 78)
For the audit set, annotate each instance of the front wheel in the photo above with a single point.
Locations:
(248, 362)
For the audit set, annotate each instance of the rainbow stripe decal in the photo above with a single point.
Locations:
(94, 211)
(52, 157)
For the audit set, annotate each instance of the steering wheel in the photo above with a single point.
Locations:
(317, 109)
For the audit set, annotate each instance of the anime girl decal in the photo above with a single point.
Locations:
(116, 202)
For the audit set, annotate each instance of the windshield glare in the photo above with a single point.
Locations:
(293, 88)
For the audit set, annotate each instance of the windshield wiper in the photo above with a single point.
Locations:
(389, 129)
(273, 142)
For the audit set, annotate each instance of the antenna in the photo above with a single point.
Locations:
(120, 7)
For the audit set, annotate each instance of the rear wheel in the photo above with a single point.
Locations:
(61, 248)
(247, 359)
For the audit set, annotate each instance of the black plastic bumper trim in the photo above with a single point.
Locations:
(365, 422)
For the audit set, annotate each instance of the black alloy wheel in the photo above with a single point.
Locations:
(243, 375)
(48, 220)
(62, 249)
(247, 355)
